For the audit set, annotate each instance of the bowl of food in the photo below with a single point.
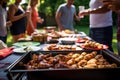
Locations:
(24, 39)
(49, 29)
(67, 41)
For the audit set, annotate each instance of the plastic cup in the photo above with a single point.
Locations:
(81, 8)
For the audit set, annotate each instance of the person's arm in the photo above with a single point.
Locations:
(12, 10)
(114, 5)
(8, 23)
(100, 10)
(77, 17)
(29, 20)
(57, 17)
(40, 20)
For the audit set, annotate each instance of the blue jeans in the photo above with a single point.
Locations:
(4, 39)
(102, 35)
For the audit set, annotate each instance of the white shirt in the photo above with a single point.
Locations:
(102, 19)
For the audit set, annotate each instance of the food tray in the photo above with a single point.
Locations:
(64, 73)
(60, 48)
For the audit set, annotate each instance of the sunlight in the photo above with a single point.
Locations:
(42, 1)
(114, 40)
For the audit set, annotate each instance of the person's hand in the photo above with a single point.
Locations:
(40, 20)
(83, 13)
(27, 13)
(8, 23)
(36, 30)
(60, 28)
(114, 6)
(29, 9)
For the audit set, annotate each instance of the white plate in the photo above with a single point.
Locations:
(73, 46)
(26, 49)
(25, 44)
(67, 39)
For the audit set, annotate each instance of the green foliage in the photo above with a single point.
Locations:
(11, 2)
(49, 7)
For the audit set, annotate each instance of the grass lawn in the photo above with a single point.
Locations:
(79, 28)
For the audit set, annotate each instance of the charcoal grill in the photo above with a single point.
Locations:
(62, 74)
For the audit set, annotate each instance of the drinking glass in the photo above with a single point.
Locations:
(81, 8)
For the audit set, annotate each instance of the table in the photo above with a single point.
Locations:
(5, 63)
(16, 57)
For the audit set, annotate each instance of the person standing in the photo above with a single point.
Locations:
(3, 21)
(114, 5)
(34, 17)
(65, 15)
(18, 18)
(100, 22)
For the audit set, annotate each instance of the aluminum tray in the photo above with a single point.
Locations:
(68, 74)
